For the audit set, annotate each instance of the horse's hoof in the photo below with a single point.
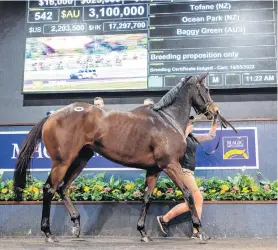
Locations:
(146, 239)
(75, 231)
(51, 239)
(203, 238)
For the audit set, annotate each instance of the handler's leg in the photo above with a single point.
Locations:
(191, 184)
(181, 208)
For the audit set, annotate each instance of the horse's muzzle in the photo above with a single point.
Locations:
(212, 110)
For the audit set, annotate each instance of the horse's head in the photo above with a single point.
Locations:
(201, 100)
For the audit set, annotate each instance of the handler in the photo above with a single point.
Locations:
(188, 167)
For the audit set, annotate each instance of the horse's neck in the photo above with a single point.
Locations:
(180, 109)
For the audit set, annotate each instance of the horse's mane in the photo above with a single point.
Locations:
(170, 96)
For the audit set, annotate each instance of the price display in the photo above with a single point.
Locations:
(125, 25)
(64, 28)
(51, 3)
(129, 11)
(98, 2)
(122, 45)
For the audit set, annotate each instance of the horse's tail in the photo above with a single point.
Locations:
(23, 161)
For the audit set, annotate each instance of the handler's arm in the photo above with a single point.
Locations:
(211, 135)
(188, 130)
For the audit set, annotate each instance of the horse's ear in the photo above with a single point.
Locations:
(202, 77)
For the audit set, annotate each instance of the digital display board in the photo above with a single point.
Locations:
(110, 45)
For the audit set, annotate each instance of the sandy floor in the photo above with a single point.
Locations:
(118, 243)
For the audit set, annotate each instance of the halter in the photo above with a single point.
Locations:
(205, 110)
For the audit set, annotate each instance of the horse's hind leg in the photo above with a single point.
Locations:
(53, 181)
(151, 180)
(75, 169)
(174, 171)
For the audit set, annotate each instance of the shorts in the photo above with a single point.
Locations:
(189, 179)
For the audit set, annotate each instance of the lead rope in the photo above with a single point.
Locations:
(218, 143)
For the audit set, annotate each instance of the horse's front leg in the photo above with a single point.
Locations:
(174, 171)
(151, 180)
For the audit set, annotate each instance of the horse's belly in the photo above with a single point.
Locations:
(126, 158)
(126, 144)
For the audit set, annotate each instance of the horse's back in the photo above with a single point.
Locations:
(73, 108)
(77, 117)
(133, 136)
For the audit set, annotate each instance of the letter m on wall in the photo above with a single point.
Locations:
(215, 79)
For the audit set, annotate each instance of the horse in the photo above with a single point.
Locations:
(149, 138)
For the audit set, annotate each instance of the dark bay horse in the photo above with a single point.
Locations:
(148, 137)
